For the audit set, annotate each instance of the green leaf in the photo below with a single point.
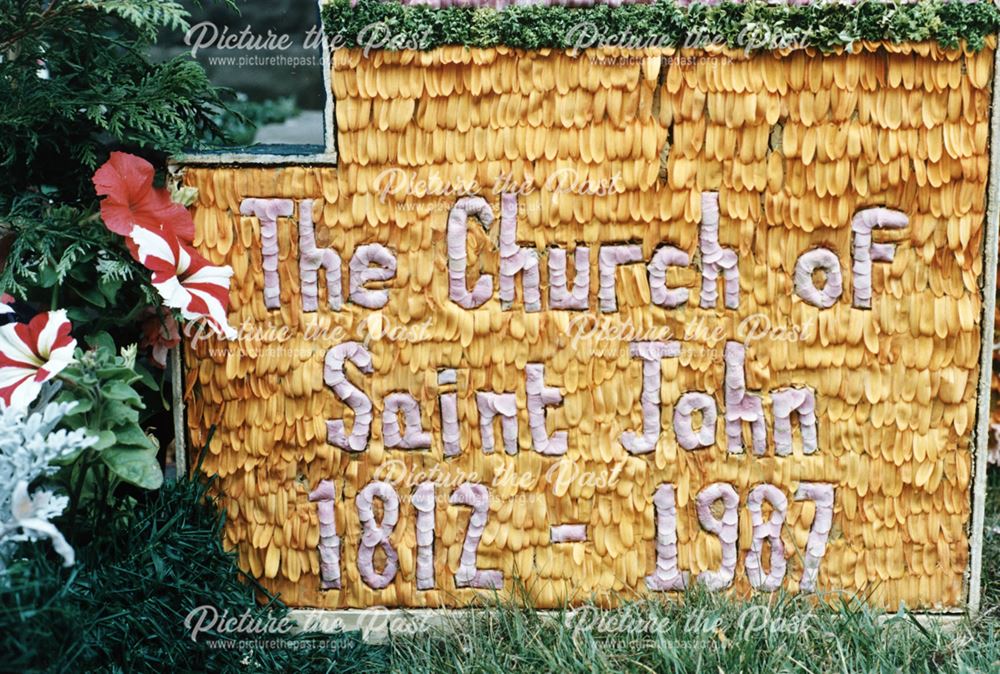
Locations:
(102, 340)
(117, 413)
(47, 277)
(105, 439)
(92, 295)
(124, 374)
(83, 405)
(109, 287)
(823, 26)
(135, 465)
(78, 315)
(146, 377)
(132, 434)
(122, 392)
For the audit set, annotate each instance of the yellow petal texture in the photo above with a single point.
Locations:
(795, 143)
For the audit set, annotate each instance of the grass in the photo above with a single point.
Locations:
(122, 608)
(707, 633)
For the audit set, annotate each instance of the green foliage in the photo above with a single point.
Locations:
(62, 256)
(77, 83)
(991, 547)
(753, 25)
(148, 16)
(101, 91)
(122, 607)
(101, 381)
(704, 633)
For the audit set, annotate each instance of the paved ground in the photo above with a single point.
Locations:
(306, 129)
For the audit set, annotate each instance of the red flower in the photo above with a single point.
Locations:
(5, 302)
(131, 200)
(160, 333)
(158, 233)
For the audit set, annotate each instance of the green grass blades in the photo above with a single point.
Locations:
(704, 633)
(123, 607)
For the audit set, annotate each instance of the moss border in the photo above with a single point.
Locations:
(753, 26)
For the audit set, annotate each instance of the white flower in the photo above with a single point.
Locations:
(31, 515)
(29, 444)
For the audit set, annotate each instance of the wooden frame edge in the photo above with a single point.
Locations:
(180, 425)
(989, 291)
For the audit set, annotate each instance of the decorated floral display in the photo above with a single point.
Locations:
(597, 412)
(106, 426)
(669, 308)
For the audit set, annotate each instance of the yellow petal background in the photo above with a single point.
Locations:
(794, 142)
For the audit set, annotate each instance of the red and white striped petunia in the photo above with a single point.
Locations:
(31, 354)
(184, 279)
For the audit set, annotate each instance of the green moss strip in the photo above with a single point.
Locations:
(755, 25)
